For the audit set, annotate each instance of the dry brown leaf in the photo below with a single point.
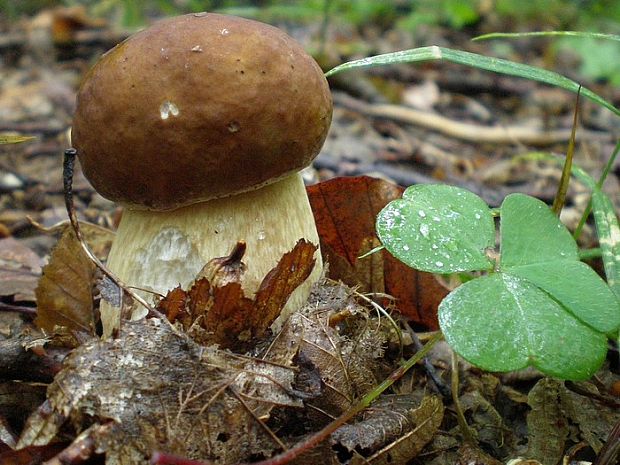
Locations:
(595, 419)
(173, 305)
(485, 420)
(65, 292)
(20, 269)
(41, 427)
(472, 455)
(215, 309)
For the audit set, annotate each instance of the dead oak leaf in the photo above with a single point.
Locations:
(66, 290)
(345, 210)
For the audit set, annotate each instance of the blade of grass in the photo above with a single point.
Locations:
(608, 230)
(513, 35)
(496, 65)
(600, 182)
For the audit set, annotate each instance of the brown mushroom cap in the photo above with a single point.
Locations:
(199, 107)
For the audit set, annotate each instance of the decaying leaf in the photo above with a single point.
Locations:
(546, 422)
(41, 427)
(66, 290)
(344, 359)
(488, 424)
(162, 391)
(595, 419)
(20, 269)
(396, 433)
(470, 454)
(345, 210)
(215, 309)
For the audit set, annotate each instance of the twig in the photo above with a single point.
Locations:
(464, 131)
(28, 311)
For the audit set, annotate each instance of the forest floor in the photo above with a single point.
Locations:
(406, 124)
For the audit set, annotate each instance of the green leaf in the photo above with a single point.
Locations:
(608, 231)
(578, 288)
(502, 322)
(438, 228)
(517, 35)
(496, 65)
(531, 233)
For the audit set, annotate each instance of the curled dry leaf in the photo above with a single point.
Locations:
(215, 310)
(405, 434)
(65, 293)
(162, 391)
(345, 210)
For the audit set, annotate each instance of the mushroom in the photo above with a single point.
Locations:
(199, 126)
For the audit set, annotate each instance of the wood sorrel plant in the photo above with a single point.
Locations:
(537, 305)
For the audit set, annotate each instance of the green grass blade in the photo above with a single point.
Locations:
(608, 230)
(517, 35)
(608, 166)
(496, 65)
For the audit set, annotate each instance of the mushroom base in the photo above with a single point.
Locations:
(159, 251)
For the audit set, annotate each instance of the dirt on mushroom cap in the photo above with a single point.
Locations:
(198, 107)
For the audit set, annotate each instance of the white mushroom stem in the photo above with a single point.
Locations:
(160, 250)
